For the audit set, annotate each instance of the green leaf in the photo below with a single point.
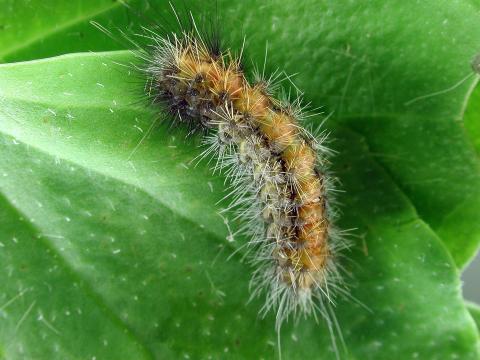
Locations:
(137, 244)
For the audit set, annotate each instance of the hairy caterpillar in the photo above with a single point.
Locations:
(277, 169)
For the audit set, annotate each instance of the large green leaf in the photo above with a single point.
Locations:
(138, 243)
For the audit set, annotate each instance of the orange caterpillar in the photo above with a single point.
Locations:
(276, 167)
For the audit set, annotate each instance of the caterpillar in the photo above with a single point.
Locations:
(280, 185)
